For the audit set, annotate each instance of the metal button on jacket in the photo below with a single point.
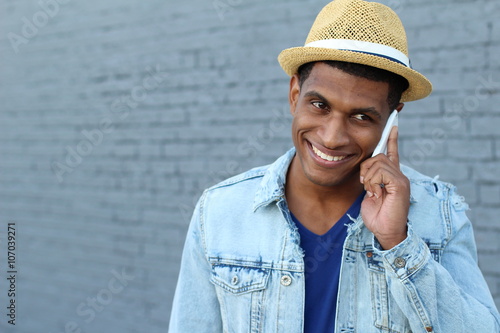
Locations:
(286, 280)
(399, 262)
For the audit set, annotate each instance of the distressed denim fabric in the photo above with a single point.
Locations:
(242, 268)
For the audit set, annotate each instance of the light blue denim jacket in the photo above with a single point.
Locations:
(242, 268)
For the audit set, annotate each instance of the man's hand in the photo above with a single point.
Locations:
(387, 202)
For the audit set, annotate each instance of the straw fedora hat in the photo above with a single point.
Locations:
(360, 32)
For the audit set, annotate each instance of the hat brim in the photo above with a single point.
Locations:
(419, 86)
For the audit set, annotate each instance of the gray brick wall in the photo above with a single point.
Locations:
(115, 115)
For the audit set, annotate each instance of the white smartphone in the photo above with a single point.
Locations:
(382, 144)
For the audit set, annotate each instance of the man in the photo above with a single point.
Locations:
(329, 238)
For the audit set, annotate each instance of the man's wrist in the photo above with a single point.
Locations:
(388, 242)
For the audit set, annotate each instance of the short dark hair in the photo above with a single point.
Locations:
(397, 83)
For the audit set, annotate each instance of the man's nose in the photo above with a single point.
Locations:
(334, 133)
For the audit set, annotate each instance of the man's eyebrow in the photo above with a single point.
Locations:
(315, 94)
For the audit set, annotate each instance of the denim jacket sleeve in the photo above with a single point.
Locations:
(195, 307)
(446, 296)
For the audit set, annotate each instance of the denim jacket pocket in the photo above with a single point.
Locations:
(241, 292)
(239, 279)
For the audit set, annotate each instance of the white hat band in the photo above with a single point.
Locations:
(364, 47)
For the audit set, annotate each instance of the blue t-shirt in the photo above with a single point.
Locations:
(323, 256)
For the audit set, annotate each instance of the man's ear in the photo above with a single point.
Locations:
(293, 95)
(400, 107)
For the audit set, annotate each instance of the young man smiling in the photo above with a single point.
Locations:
(337, 120)
(329, 238)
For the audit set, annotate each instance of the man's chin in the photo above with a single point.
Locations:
(327, 181)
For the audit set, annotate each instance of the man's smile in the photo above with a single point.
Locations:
(328, 159)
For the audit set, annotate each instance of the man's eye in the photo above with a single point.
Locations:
(319, 105)
(361, 116)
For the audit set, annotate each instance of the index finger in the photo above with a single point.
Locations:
(392, 146)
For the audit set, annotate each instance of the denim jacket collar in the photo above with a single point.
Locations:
(272, 187)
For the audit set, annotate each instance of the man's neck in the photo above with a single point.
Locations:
(319, 207)
(298, 185)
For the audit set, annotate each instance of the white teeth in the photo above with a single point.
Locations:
(327, 157)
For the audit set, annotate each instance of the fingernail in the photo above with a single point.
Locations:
(361, 179)
(370, 194)
(376, 195)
